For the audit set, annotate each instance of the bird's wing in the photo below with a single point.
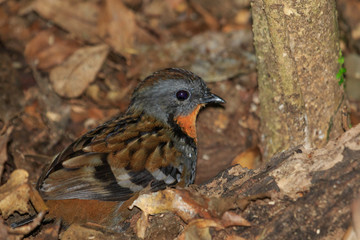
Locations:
(113, 161)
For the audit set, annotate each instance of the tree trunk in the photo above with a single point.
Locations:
(297, 52)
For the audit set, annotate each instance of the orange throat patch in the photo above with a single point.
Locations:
(187, 123)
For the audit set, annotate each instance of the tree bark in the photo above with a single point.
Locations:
(311, 191)
(297, 50)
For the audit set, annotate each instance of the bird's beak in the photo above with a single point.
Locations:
(212, 98)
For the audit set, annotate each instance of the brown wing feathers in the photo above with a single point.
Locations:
(110, 163)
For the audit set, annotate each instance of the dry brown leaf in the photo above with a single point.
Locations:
(8, 233)
(250, 158)
(118, 27)
(47, 50)
(198, 230)
(26, 229)
(169, 200)
(141, 225)
(15, 194)
(355, 208)
(229, 219)
(182, 202)
(190, 206)
(350, 234)
(71, 78)
(78, 17)
(353, 232)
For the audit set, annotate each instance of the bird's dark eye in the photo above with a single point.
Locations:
(182, 95)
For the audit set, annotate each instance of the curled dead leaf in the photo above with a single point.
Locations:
(184, 203)
(71, 78)
(198, 230)
(47, 49)
(229, 219)
(355, 209)
(78, 17)
(118, 27)
(192, 207)
(26, 229)
(250, 158)
(15, 194)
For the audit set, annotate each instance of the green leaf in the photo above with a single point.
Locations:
(341, 81)
(341, 60)
(338, 75)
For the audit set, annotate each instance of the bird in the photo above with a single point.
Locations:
(153, 144)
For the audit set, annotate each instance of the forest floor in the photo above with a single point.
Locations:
(104, 48)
